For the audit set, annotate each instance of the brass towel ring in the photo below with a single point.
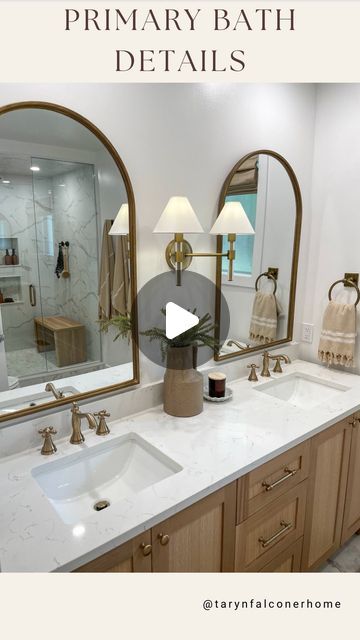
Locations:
(266, 273)
(349, 283)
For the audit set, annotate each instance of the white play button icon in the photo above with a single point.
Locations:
(178, 320)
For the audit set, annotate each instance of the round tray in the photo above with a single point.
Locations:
(228, 395)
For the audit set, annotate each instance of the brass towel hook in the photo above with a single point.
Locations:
(347, 282)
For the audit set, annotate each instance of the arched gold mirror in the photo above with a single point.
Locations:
(67, 261)
(261, 293)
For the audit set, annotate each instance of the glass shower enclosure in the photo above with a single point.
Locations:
(49, 269)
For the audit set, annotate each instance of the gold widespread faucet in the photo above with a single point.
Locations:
(77, 416)
(265, 373)
(57, 394)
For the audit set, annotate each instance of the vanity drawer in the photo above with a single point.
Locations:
(274, 478)
(289, 561)
(266, 534)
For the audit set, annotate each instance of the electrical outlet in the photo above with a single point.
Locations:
(307, 332)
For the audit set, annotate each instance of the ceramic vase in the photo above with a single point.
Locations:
(183, 384)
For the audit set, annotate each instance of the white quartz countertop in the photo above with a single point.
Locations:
(223, 443)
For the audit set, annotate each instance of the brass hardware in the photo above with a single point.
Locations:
(146, 549)
(102, 429)
(347, 283)
(240, 347)
(164, 538)
(57, 394)
(231, 255)
(252, 375)
(77, 436)
(353, 277)
(265, 373)
(179, 255)
(174, 255)
(289, 473)
(285, 526)
(274, 272)
(295, 257)
(269, 276)
(277, 368)
(48, 447)
(119, 164)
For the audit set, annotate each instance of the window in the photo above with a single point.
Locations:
(244, 245)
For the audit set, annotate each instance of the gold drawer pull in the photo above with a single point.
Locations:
(289, 473)
(164, 538)
(146, 549)
(285, 526)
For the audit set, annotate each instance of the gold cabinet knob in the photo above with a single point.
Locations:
(164, 538)
(146, 549)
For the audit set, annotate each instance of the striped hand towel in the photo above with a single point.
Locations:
(264, 319)
(338, 333)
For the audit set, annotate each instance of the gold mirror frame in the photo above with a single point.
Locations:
(295, 257)
(49, 106)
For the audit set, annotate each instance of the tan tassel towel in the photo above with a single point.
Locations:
(120, 298)
(264, 319)
(107, 264)
(338, 333)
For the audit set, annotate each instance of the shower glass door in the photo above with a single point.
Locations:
(20, 301)
(67, 333)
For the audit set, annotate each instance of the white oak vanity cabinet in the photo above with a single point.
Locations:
(288, 515)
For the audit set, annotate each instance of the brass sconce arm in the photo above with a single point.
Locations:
(179, 255)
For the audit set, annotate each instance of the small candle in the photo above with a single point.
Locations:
(217, 381)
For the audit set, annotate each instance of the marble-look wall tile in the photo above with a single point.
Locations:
(75, 220)
(17, 209)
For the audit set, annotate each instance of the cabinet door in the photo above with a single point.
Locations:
(288, 561)
(326, 497)
(132, 556)
(199, 539)
(352, 502)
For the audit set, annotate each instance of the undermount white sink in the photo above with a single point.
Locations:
(302, 390)
(32, 400)
(108, 472)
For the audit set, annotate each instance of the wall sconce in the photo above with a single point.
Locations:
(120, 226)
(179, 217)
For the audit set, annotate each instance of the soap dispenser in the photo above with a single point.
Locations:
(7, 259)
(14, 257)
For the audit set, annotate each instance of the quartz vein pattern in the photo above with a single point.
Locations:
(220, 445)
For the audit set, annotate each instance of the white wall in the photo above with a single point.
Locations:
(335, 227)
(184, 139)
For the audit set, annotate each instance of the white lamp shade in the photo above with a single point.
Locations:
(120, 226)
(178, 217)
(232, 219)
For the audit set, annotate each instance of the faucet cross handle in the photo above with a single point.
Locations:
(252, 375)
(48, 447)
(278, 368)
(102, 428)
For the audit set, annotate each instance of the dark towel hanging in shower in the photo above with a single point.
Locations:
(60, 261)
